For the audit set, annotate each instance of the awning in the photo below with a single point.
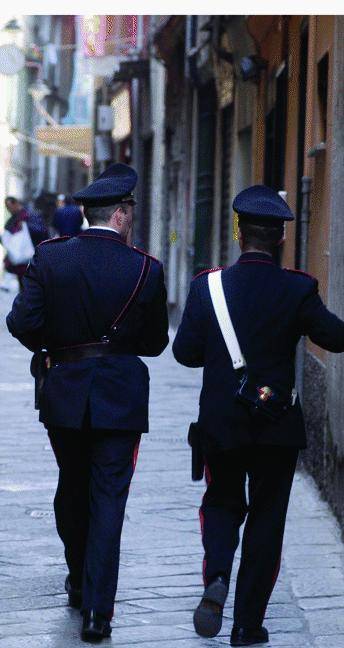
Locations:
(121, 107)
(73, 141)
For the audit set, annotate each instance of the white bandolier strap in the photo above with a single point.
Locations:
(223, 317)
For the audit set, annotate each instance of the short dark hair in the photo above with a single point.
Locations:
(101, 215)
(261, 237)
(12, 200)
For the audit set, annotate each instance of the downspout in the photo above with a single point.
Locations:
(306, 188)
(191, 51)
(136, 140)
(304, 234)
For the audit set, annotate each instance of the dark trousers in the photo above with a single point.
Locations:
(270, 471)
(96, 467)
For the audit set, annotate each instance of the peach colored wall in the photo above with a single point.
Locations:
(258, 136)
(318, 168)
(290, 178)
(267, 30)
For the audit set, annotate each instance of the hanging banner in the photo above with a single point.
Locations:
(122, 34)
(80, 99)
(108, 35)
(94, 33)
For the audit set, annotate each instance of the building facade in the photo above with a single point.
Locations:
(204, 106)
(296, 132)
(46, 155)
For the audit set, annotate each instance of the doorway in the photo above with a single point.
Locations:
(205, 176)
(301, 135)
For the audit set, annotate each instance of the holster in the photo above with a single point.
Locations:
(195, 441)
(39, 369)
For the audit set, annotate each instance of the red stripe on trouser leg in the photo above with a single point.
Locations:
(202, 520)
(207, 474)
(135, 457)
(274, 579)
(204, 565)
(136, 454)
(277, 570)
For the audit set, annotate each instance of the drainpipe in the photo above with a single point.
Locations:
(136, 140)
(191, 51)
(305, 217)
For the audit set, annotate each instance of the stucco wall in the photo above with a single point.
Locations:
(325, 418)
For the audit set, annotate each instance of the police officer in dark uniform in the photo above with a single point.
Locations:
(94, 402)
(270, 309)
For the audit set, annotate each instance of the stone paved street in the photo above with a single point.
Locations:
(160, 580)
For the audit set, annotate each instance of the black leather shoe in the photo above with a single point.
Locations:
(95, 627)
(208, 616)
(249, 636)
(74, 595)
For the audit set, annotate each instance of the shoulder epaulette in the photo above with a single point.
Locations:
(301, 272)
(207, 271)
(54, 240)
(145, 253)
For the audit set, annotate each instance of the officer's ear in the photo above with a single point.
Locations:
(118, 214)
(240, 238)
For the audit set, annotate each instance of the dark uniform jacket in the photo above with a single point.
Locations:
(271, 308)
(73, 290)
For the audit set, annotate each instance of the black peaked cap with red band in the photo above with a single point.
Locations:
(114, 185)
(262, 205)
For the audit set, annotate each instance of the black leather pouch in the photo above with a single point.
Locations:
(262, 400)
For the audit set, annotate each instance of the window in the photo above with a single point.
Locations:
(322, 95)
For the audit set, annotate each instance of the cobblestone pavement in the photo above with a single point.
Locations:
(160, 581)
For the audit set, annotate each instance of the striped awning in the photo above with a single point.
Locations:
(73, 141)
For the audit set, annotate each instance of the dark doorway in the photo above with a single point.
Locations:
(323, 95)
(205, 176)
(301, 135)
(275, 132)
(227, 117)
(146, 193)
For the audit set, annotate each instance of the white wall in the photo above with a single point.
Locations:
(157, 84)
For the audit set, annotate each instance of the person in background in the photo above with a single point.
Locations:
(68, 219)
(37, 229)
(13, 225)
(60, 202)
(45, 204)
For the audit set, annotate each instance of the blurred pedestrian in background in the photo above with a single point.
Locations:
(60, 202)
(45, 204)
(68, 218)
(36, 228)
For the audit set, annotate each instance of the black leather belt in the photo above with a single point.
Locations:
(74, 354)
(104, 347)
